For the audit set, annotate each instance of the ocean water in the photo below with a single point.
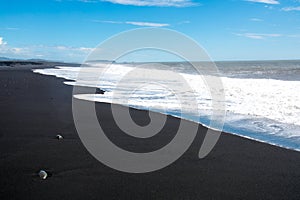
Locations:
(262, 98)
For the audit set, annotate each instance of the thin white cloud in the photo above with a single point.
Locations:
(88, 1)
(273, 2)
(149, 24)
(297, 8)
(158, 3)
(1, 41)
(10, 29)
(108, 21)
(63, 53)
(184, 22)
(135, 23)
(77, 49)
(5, 49)
(258, 36)
(256, 20)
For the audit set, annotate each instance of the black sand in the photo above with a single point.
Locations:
(35, 108)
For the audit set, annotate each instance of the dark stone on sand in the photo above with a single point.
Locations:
(99, 91)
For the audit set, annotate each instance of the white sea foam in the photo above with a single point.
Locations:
(267, 106)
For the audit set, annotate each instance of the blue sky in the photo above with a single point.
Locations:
(68, 30)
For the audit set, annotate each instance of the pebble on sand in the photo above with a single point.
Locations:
(59, 137)
(43, 174)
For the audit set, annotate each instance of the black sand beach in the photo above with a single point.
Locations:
(35, 108)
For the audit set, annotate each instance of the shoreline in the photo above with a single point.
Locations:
(269, 132)
(223, 132)
(37, 107)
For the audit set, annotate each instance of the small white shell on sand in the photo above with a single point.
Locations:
(59, 137)
(43, 174)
